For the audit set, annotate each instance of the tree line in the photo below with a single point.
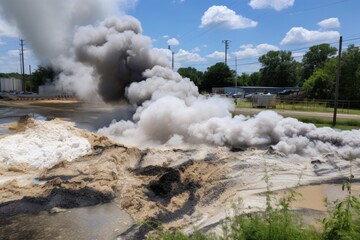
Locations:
(315, 74)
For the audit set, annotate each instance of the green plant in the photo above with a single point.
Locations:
(275, 223)
(177, 235)
(343, 221)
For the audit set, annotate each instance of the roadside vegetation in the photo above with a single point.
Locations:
(304, 106)
(278, 222)
(313, 106)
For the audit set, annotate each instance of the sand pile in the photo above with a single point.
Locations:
(185, 188)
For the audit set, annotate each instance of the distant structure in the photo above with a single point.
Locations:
(226, 42)
(22, 63)
(253, 90)
(52, 91)
(10, 85)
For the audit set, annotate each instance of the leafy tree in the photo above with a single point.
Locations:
(191, 73)
(278, 69)
(255, 79)
(42, 76)
(321, 84)
(350, 77)
(11, 75)
(315, 58)
(218, 75)
(244, 79)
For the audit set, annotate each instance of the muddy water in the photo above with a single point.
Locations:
(313, 196)
(105, 221)
(90, 116)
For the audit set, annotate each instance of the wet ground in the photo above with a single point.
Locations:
(106, 221)
(90, 116)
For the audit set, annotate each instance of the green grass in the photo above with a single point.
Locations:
(304, 106)
(342, 124)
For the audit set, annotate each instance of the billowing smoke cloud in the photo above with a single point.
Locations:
(48, 26)
(96, 59)
(117, 53)
(109, 58)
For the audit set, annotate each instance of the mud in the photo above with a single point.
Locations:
(105, 221)
(182, 188)
(58, 198)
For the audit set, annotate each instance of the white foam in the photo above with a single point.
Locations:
(43, 145)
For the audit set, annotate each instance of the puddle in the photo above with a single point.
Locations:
(106, 221)
(89, 116)
(313, 196)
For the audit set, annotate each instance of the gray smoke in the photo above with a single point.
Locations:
(118, 54)
(97, 58)
(108, 58)
(48, 26)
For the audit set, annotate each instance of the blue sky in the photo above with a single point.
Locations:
(195, 30)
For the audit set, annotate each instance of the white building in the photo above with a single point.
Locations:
(10, 85)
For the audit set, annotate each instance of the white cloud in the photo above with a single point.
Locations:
(196, 49)
(216, 54)
(173, 42)
(275, 4)
(2, 42)
(13, 53)
(298, 56)
(186, 56)
(16, 53)
(223, 16)
(7, 30)
(248, 68)
(249, 51)
(166, 36)
(329, 23)
(299, 35)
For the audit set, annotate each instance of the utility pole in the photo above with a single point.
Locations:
(338, 73)
(30, 78)
(22, 68)
(226, 42)
(235, 71)
(172, 57)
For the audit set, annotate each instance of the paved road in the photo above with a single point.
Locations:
(252, 111)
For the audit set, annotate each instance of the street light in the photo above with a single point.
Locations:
(172, 57)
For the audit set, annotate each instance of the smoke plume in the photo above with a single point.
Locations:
(111, 59)
(96, 57)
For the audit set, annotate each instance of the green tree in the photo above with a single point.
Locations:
(278, 69)
(255, 79)
(321, 84)
(350, 74)
(191, 73)
(315, 58)
(218, 75)
(43, 75)
(244, 79)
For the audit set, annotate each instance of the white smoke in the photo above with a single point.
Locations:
(168, 116)
(104, 56)
(111, 58)
(48, 26)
